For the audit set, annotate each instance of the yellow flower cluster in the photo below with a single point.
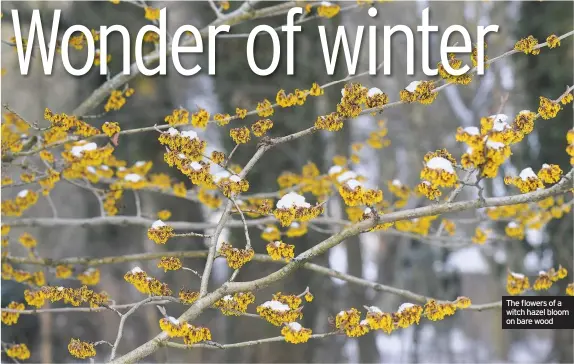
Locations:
(427, 189)
(235, 305)
(62, 123)
(350, 323)
(208, 199)
(527, 45)
(236, 258)
(480, 236)
(196, 334)
(278, 250)
(200, 118)
(23, 201)
(10, 318)
(570, 147)
(516, 283)
(548, 109)
(146, 284)
(514, 230)
(264, 108)
(528, 181)
(240, 113)
(546, 279)
(455, 64)
(75, 297)
(173, 327)
(331, 122)
(240, 135)
(553, 41)
(256, 207)
(407, 315)
(110, 201)
(474, 57)
(550, 173)
(35, 298)
(298, 97)
(164, 214)
(489, 147)
(233, 185)
(271, 233)
(354, 194)
(570, 289)
(190, 334)
(22, 276)
(420, 226)
(12, 129)
(47, 183)
(316, 90)
(354, 96)
(186, 143)
(117, 99)
(436, 311)
(376, 98)
(222, 119)
(419, 91)
(151, 13)
(198, 172)
(296, 230)
(169, 263)
(294, 333)
(18, 351)
(27, 241)
(328, 10)
(261, 127)
(379, 320)
(187, 296)
(439, 170)
(282, 309)
(90, 277)
(178, 117)
(159, 232)
(286, 215)
(81, 349)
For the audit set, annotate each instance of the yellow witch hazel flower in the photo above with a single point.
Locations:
(271, 233)
(236, 258)
(81, 349)
(379, 320)
(293, 206)
(351, 324)
(407, 315)
(294, 333)
(550, 173)
(516, 283)
(159, 232)
(327, 9)
(187, 143)
(296, 229)
(354, 193)
(278, 250)
(278, 313)
(436, 311)
(230, 184)
(514, 230)
(18, 351)
(235, 305)
(419, 91)
(376, 98)
(527, 181)
(439, 172)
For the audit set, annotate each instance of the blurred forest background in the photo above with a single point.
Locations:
(476, 272)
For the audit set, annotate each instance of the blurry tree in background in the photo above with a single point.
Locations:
(352, 233)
